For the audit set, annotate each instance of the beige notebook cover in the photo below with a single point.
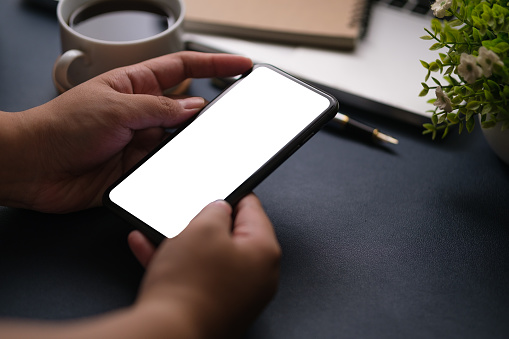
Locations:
(323, 23)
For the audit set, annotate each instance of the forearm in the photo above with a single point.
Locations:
(133, 322)
(14, 168)
(23, 155)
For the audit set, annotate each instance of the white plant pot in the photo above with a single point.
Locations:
(498, 141)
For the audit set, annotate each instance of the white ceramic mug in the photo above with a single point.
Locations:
(83, 57)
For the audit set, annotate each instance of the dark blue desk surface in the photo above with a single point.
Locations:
(410, 241)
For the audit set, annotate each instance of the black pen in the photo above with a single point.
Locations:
(364, 131)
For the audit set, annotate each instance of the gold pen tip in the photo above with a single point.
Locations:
(386, 138)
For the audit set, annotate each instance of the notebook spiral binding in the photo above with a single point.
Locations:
(362, 15)
(358, 13)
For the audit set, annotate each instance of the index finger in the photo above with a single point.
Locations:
(172, 69)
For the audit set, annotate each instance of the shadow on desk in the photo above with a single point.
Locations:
(64, 266)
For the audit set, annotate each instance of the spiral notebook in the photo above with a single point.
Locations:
(333, 24)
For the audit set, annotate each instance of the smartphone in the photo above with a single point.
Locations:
(234, 143)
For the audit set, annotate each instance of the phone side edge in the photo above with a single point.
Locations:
(290, 148)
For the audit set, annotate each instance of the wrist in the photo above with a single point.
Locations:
(162, 320)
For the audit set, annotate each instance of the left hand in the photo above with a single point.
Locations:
(68, 151)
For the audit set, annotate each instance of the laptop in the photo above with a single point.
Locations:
(383, 74)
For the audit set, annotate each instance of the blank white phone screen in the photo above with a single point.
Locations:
(218, 151)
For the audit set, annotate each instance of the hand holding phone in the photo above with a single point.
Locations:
(230, 147)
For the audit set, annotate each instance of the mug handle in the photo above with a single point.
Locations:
(61, 68)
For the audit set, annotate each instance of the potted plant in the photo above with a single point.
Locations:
(473, 64)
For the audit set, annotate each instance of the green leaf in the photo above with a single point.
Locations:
(434, 119)
(462, 12)
(436, 81)
(449, 80)
(488, 95)
(446, 130)
(486, 109)
(469, 114)
(500, 70)
(451, 38)
(436, 46)
(429, 127)
(436, 25)
(480, 24)
(449, 70)
(455, 23)
(458, 99)
(440, 65)
(424, 64)
(488, 124)
(476, 35)
(424, 92)
(454, 81)
(487, 15)
(426, 37)
(470, 124)
(503, 47)
(453, 118)
(443, 38)
(473, 105)
(493, 85)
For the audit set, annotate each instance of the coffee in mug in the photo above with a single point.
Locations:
(125, 21)
(100, 35)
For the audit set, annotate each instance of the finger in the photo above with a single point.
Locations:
(215, 218)
(158, 111)
(141, 247)
(171, 69)
(252, 223)
(254, 236)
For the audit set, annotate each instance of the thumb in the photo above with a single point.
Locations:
(147, 111)
(215, 217)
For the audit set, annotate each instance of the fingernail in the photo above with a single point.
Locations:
(192, 103)
(225, 205)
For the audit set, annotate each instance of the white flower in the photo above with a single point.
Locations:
(487, 59)
(443, 102)
(468, 68)
(440, 7)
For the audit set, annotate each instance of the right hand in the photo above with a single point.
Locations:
(217, 275)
